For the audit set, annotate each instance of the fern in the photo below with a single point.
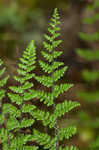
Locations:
(53, 70)
(90, 77)
(21, 114)
(16, 122)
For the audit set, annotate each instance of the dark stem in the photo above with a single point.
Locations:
(56, 130)
(54, 106)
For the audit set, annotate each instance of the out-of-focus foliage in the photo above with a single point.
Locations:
(90, 76)
(93, 75)
(17, 23)
(11, 17)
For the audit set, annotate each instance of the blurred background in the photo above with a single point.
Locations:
(24, 20)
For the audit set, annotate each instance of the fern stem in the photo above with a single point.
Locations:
(56, 123)
(54, 106)
(56, 129)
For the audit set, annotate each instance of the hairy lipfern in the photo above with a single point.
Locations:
(20, 113)
(91, 77)
(17, 120)
(53, 71)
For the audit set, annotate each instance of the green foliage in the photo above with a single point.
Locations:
(47, 97)
(90, 94)
(90, 55)
(67, 132)
(95, 145)
(53, 71)
(65, 107)
(21, 114)
(91, 20)
(15, 122)
(89, 37)
(90, 76)
(10, 16)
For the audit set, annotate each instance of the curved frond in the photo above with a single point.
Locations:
(59, 89)
(47, 97)
(44, 139)
(67, 132)
(65, 107)
(88, 54)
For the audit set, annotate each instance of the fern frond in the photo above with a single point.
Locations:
(52, 68)
(2, 71)
(59, 89)
(3, 81)
(16, 120)
(59, 73)
(23, 79)
(49, 68)
(16, 89)
(15, 98)
(26, 123)
(48, 81)
(47, 97)
(50, 57)
(44, 139)
(12, 123)
(48, 46)
(67, 132)
(47, 37)
(12, 110)
(4, 138)
(91, 20)
(88, 54)
(90, 76)
(44, 80)
(47, 118)
(2, 94)
(65, 107)
(20, 89)
(91, 96)
(89, 37)
(19, 142)
(28, 108)
(95, 145)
